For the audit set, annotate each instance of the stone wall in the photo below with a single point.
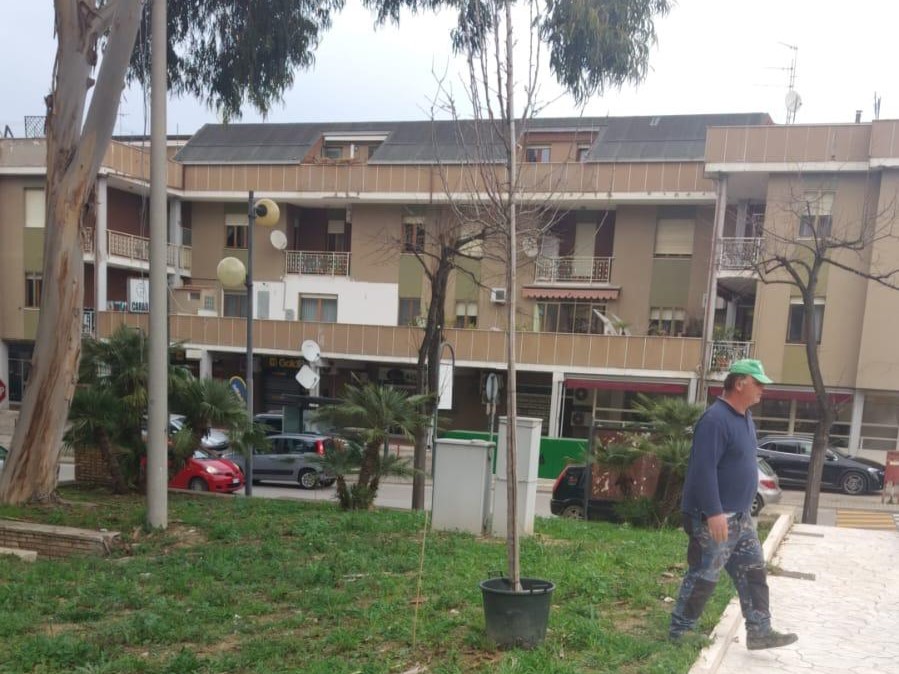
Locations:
(53, 542)
(90, 468)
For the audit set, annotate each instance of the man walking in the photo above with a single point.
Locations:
(721, 482)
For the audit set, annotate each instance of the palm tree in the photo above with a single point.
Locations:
(366, 418)
(94, 421)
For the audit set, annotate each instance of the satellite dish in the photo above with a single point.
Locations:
(311, 352)
(307, 377)
(793, 101)
(278, 239)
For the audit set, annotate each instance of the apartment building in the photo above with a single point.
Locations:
(647, 217)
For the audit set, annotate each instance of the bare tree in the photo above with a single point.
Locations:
(803, 239)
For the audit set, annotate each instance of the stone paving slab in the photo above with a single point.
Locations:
(847, 617)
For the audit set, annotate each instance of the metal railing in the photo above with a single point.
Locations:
(318, 263)
(89, 322)
(739, 252)
(87, 240)
(573, 269)
(724, 353)
(138, 248)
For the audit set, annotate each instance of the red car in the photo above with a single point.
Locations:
(205, 472)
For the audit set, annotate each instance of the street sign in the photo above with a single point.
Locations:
(239, 386)
(491, 388)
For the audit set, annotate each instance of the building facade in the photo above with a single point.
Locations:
(638, 222)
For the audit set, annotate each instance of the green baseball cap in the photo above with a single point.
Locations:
(751, 367)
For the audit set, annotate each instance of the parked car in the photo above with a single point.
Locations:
(205, 472)
(568, 494)
(215, 441)
(292, 457)
(789, 456)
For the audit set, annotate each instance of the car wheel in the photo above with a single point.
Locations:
(573, 512)
(853, 483)
(198, 484)
(757, 505)
(308, 479)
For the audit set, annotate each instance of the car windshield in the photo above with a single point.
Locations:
(765, 468)
(839, 451)
(202, 454)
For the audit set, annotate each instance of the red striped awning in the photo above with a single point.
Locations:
(628, 385)
(570, 293)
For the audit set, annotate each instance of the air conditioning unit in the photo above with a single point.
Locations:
(498, 295)
(581, 418)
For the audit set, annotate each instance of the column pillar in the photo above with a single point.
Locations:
(855, 426)
(101, 248)
(557, 398)
(205, 364)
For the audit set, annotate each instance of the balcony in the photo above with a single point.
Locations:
(573, 270)
(724, 353)
(316, 263)
(400, 343)
(739, 253)
(135, 249)
(89, 323)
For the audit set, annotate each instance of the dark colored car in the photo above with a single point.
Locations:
(789, 456)
(568, 494)
(291, 457)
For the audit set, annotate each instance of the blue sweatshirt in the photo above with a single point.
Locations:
(722, 475)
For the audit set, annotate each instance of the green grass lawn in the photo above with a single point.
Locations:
(237, 585)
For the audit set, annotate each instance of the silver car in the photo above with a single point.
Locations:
(768, 490)
(215, 441)
(292, 457)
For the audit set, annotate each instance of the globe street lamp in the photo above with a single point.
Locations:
(231, 273)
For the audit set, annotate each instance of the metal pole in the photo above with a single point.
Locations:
(708, 324)
(157, 402)
(251, 226)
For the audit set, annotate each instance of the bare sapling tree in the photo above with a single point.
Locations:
(808, 245)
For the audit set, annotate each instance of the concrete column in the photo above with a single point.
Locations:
(205, 364)
(4, 374)
(101, 247)
(855, 426)
(462, 474)
(556, 404)
(527, 436)
(175, 238)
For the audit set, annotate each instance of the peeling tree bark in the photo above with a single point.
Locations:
(74, 152)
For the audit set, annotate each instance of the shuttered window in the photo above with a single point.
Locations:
(35, 208)
(674, 238)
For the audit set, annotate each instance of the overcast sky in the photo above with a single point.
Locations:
(711, 56)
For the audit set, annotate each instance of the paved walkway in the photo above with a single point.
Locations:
(838, 588)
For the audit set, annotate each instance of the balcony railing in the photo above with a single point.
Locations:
(573, 270)
(318, 263)
(725, 353)
(137, 248)
(87, 240)
(400, 343)
(89, 322)
(739, 253)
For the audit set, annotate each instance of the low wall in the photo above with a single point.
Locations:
(53, 542)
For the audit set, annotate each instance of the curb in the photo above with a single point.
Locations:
(725, 631)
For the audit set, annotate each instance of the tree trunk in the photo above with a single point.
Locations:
(115, 470)
(73, 159)
(369, 466)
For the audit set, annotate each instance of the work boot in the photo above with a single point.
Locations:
(769, 639)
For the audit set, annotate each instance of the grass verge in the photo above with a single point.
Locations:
(272, 586)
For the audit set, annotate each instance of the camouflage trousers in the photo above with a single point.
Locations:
(740, 555)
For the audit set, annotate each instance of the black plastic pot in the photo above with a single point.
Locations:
(517, 618)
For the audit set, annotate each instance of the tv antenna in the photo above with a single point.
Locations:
(792, 101)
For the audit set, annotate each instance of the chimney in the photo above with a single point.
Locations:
(858, 116)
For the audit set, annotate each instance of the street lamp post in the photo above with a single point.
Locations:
(231, 272)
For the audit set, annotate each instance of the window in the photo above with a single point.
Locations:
(674, 238)
(816, 218)
(234, 305)
(33, 287)
(797, 320)
(332, 151)
(193, 296)
(336, 236)
(235, 230)
(569, 317)
(413, 236)
(209, 303)
(536, 154)
(466, 315)
(318, 308)
(35, 208)
(410, 310)
(582, 152)
(666, 321)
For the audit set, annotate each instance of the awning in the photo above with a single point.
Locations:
(570, 293)
(788, 394)
(627, 385)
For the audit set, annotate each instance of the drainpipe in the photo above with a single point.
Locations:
(708, 324)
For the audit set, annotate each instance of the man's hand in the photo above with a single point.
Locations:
(718, 527)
